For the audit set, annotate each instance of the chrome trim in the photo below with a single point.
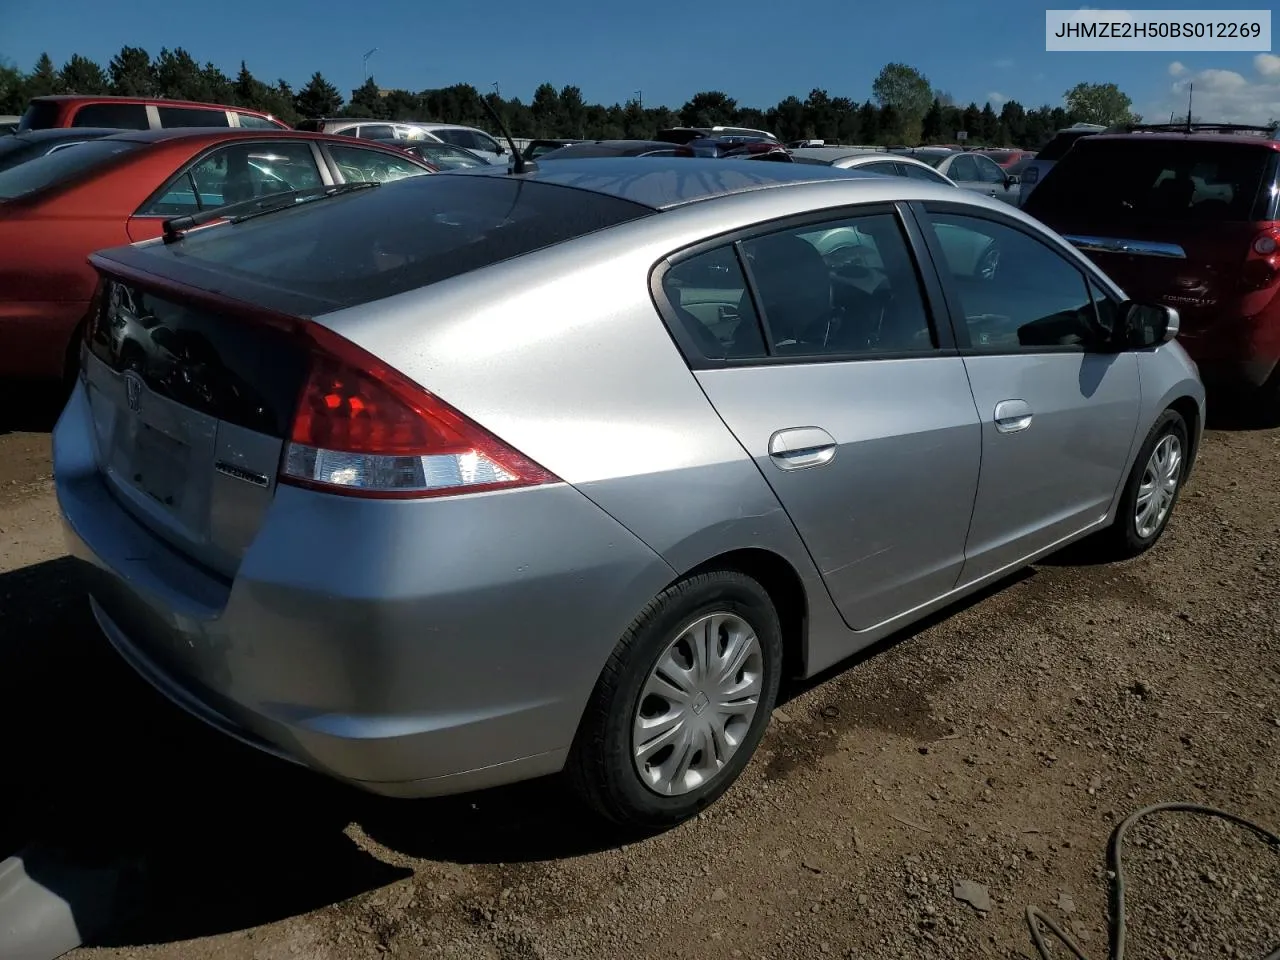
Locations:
(1143, 248)
(239, 473)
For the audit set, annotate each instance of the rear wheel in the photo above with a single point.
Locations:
(1152, 488)
(682, 703)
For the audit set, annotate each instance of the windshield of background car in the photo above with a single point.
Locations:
(40, 115)
(1181, 180)
(411, 233)
(60, 166)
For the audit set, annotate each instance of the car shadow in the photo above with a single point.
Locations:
(29, 407)
(203, 835)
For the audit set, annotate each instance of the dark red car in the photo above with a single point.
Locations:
(139, 113)
(1007, 158)
(58, 209)
(1189, 220)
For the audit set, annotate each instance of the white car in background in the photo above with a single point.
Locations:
(469, 138)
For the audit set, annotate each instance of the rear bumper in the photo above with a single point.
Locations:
(409, 648)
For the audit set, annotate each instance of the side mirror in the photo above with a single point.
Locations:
(501, 149)
(1012, 181)
(1144, 325)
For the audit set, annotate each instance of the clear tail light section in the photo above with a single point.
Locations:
(363, 429)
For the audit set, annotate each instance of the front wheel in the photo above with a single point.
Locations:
(682, 703)
(1152, 488)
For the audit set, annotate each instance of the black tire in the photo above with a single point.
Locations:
(600, 768)
(1122, 539)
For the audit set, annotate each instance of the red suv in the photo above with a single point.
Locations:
(139, 113)
(1188, 219)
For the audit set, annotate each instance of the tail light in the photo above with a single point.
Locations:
(363, 429)
(1262, 266)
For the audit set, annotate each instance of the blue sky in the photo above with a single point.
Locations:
(752, 49)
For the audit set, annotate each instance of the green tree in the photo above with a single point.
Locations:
(367, 102)
(131, 73)
(178, 76)
(44, 79)
(931, 125)
(1013, 122)
(215, 86)
(869, 122)
(972, 121)
(709, 108)
(82, 75)
(573, 112)
(546, 111)
(1103, 103)
(248, 91)
(908, 92)
(319, 98)
(13, 89)
(989, 125)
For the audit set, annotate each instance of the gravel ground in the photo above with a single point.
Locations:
(910, 804)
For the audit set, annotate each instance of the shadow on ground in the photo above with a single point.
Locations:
(208, 836)
(29, 407)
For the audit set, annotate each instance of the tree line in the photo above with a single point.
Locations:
(904, 108)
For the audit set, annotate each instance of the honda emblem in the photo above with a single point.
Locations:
(133, 391)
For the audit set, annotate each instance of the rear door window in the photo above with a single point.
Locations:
(963, 169)
(40, 115)
(1163, 180)
(358, 165)
(122, 116)
(922, 173)
(244, 171)
(376, 131)
(192, 117)
(60, 167)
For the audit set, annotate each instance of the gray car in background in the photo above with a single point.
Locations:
(466, 479)
(969, 170)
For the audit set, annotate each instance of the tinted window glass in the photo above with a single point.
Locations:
(358, 165)
(1121, 180)
(1057, 148)
(192, 117)
(59, 167)
(988, 170)
(932, 159)
(123, 116)
(246, 171)
(371, 244)
(1016, 293)
(883, 167)
(484, 142)
(178, 200)
(963, 169)
(920, 173)
(447, 157)
(40, 115)
(846, 287)
(459, 138)
(376, 131)
(249, 121)
(710, 300)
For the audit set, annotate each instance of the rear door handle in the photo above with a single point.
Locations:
(799, 447)
(1012, 416)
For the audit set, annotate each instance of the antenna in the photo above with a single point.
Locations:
(519, 164)
(1190, 88)
(366, 63)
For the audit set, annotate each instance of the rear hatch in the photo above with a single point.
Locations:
(1171, 220)
(200, 349)
(190, 410)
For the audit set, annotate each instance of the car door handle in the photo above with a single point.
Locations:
(799, 447)
(1012, 416)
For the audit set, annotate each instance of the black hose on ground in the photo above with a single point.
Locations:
(1035, 917)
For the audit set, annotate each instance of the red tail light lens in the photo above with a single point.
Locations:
(363, 429)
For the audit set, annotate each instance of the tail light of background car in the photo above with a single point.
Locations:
(363, 429)
(1262, 264)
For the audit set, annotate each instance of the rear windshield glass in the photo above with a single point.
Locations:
(59, 167)
(1057, 148)
(1158, 180)
(400, 236)
(40, 115)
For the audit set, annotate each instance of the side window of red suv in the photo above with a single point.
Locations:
(124, 116)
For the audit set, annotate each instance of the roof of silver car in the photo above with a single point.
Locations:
(665, 182)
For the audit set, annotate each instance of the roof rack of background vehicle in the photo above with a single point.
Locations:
(1270, 131)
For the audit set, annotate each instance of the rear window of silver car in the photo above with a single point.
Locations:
(400, 236)
(59, 167)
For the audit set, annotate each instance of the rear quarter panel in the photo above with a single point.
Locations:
(562, 354)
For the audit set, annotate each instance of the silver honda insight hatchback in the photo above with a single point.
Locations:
(473, 478)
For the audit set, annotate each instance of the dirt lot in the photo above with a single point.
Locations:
(998, 746)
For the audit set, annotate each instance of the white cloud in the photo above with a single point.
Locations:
(996, 99)
(1177, 69)
(1223, 96)
(1004, 63)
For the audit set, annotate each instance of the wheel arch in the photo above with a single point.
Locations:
(786, 589)
(1189, 410)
